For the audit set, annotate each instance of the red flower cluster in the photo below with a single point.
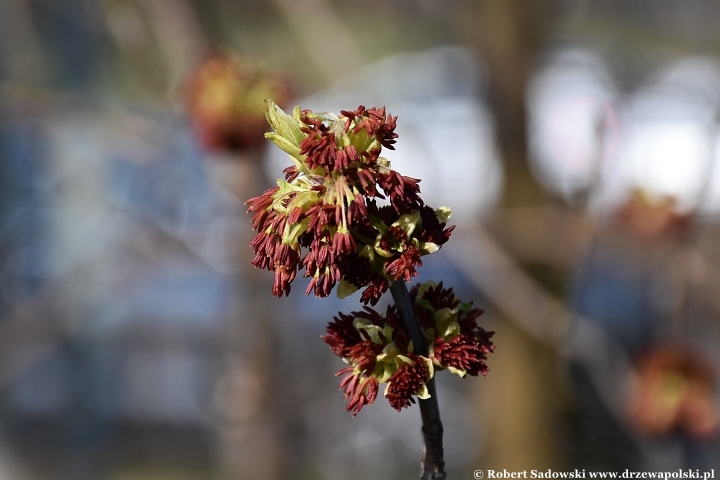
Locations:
(460, 345)
(343, 334)
(326, 204)
(378, 348)
(324, 218)
(406, 381)
(673, 391)
(359, 390)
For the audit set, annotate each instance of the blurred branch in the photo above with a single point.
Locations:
(22, 56)
(327, 40)
(546, 319)
(18, 100)
(158, 39)
(180, 36)
(551, 234)
(496, 274)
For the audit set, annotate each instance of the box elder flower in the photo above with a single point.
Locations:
(346, 218)
(324, 217)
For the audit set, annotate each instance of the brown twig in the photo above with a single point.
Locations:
(433, 464)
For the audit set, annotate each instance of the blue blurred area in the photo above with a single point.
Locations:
(614, 296)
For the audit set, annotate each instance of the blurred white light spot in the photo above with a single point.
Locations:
(710, 203)
(451, 146)
(571, 121)
(667, 139)
(669, 159)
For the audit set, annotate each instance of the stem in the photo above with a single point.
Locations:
(433, 465)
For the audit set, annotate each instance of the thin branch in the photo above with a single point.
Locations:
(342, 56)
(433, 464)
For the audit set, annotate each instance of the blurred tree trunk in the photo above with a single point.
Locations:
(507, 35)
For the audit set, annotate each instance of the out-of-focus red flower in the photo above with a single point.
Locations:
(225, 99)
(673, 392)
(651, 219)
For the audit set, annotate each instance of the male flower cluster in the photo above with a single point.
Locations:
(378, 350)
(324, 217)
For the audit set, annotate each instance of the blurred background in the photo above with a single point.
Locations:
(576, 141)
